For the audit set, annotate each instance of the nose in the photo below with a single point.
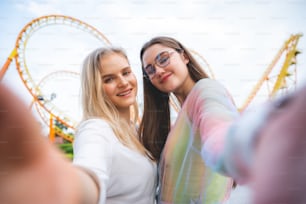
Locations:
(122, 81)
(158, 70)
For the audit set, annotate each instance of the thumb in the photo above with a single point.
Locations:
(20, 138)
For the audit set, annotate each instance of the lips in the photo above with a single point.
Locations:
(125, 92)
(164, 78)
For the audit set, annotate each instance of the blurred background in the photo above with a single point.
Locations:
(255, 48)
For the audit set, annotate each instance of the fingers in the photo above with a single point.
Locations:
(31, 169)
(20, 138)
(280, 165)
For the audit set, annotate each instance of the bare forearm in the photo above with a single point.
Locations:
(89, 186)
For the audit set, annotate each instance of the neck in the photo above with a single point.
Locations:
(182, 92)
(125, 114)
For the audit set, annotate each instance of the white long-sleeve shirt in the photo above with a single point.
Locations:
(125, 176)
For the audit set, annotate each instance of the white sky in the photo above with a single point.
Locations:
(238, 38)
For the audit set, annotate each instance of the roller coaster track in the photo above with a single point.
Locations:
(18, 55)
(50, 113)
(44, 115)
(281, 84)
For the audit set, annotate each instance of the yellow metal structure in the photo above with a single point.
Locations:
(290, 50)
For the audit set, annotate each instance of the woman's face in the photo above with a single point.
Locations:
(166, 68)
(118, 81)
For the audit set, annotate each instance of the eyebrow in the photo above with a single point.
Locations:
(111, 74)
(148, 65)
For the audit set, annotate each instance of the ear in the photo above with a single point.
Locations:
(185, 57)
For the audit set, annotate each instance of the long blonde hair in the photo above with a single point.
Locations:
(96, 104)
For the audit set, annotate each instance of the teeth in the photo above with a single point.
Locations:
(124, 93)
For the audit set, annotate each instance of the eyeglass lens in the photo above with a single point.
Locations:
(162, 60)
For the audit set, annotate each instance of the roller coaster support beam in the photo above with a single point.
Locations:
(51, 128)
(7, 63)
(291, 44)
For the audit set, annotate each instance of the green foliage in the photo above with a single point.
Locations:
(67, 149)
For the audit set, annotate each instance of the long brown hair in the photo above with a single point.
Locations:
(155, 124)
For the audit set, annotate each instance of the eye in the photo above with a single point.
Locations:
(150, 69)
(125, 73)
(108, 80)
(162, 58)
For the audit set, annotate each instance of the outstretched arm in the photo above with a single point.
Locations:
(279, 169)
(266, 148)
(31, 169)
(212, 111)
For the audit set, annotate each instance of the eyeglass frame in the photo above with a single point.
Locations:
(151, 76)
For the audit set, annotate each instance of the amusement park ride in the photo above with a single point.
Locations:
(63, 126)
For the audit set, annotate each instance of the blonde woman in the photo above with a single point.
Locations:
(110, 165)
(106, 141)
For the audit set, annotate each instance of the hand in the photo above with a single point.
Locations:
(279, 173)
(31, 169)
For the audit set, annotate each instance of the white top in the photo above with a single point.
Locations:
(125, 175)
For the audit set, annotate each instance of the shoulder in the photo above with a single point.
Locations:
(209, 93)
(208, 83)
(95, 128)
(93, 123)
(208, 88)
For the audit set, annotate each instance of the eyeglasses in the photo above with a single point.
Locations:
(162, 60)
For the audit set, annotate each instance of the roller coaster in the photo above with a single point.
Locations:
(285, 79)
(44, 106)
(62, 124)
